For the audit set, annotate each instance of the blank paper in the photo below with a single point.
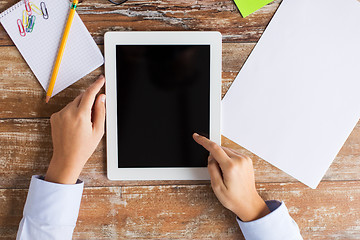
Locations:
(296, 99)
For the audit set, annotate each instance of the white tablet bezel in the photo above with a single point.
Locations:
(112, 39)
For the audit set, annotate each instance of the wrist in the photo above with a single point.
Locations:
(60, 172)
(255, 209)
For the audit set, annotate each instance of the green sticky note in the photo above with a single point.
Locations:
(246, 7)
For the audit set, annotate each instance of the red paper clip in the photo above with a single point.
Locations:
(28, 7)
(21, 28)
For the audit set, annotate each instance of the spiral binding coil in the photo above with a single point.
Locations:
(10, 9)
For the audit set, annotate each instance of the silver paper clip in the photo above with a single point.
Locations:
(44, 10)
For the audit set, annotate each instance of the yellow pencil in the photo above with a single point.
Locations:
(61, 50)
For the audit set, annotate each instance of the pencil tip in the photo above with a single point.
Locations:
(47, 99)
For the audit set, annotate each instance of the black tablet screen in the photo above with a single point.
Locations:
(163, 97)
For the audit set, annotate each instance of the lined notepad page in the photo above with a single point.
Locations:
(40, 47)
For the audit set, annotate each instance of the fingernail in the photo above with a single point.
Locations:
(196, 135)
(101, 76)
(103, 98)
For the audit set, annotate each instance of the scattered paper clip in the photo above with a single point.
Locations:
(25, 20)
(44, 10)
(31, 24)
(35, 9)
(28, 7)
(21, 28)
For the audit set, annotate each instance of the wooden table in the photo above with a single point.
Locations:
(159, 209)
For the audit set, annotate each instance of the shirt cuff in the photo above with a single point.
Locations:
(278, 224)
(53, 203)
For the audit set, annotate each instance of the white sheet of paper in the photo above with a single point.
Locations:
(297, 98)
(40, 47)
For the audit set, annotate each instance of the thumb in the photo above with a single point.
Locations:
(99, 114)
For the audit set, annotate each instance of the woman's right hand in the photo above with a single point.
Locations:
(233, 181)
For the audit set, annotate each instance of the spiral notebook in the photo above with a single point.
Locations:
(39, 47)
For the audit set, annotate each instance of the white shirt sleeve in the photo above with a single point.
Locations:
(277, 225)
(50, 211)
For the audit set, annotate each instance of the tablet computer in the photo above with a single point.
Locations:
(161, 87)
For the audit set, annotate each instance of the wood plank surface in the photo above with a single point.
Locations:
(159, 209)
(101, 16)
(26, 149)
(192, 212)
(23, 97)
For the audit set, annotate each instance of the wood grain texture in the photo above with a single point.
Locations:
(26, 149)
(192, 212)
(23, 97)
(159, 209)
(101, 16)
